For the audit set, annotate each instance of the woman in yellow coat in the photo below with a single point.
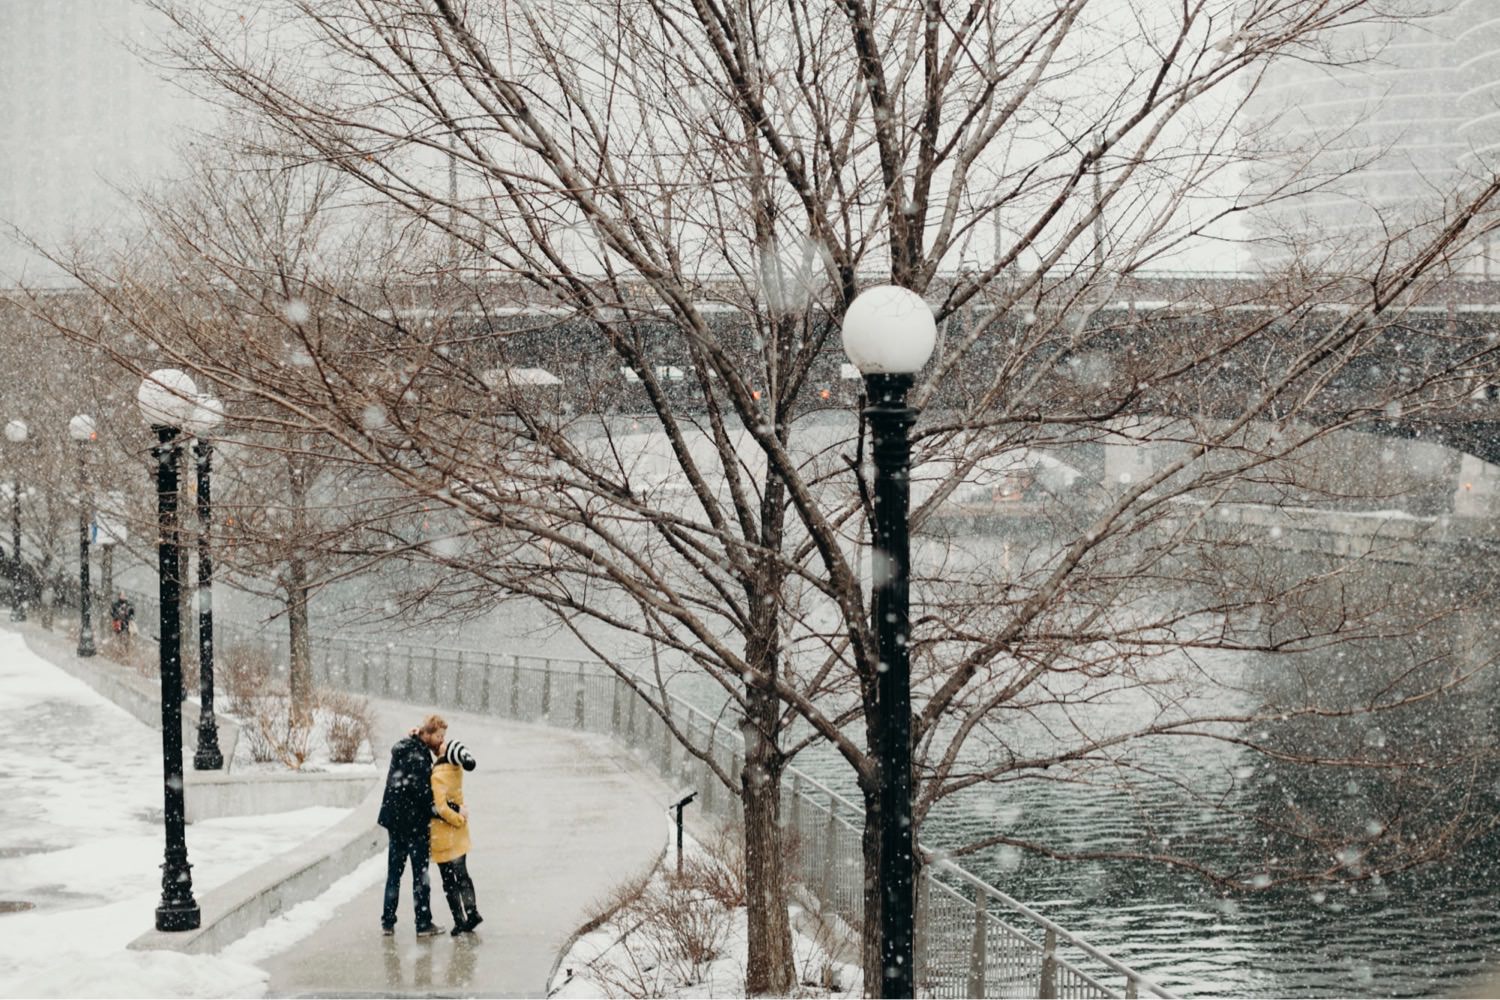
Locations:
(450, 834)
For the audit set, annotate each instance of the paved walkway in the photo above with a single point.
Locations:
(558, 821)
(560, 818)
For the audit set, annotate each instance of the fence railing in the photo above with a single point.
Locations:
(972, 940)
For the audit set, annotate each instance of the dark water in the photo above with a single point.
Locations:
(1431, 931)
(1425, 932)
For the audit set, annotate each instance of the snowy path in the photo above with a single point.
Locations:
(81, 845)
(558, 821)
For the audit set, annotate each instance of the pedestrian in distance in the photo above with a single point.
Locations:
(121, 617)
(406, 812)
(450, 835)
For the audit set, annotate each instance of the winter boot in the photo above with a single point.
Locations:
(471, 905)
(456, 907)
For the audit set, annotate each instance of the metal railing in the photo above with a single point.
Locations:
(972, 940)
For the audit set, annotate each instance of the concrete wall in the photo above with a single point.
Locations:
(214, 795)
(234, 909)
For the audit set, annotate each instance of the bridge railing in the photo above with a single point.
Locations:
(972, 940)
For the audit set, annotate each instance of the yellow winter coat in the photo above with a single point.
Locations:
(450, 831)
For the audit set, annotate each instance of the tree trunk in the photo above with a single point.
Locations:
(299, 667)
(770, 969)
(107, 573)
(47, 600)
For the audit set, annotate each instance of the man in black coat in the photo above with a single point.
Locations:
(406, 812)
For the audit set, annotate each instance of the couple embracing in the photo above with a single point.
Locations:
(423, 811)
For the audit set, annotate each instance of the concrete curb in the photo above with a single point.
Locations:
(592, 925)
(234, 909)
(300, 874)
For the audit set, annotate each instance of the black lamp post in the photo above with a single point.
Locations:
(81, 429)
(207, 415)
(889, 334)
(16, 433)
(166, 399)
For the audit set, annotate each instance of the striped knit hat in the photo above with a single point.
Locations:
(455, 752)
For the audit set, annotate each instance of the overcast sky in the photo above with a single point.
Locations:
(80, 115)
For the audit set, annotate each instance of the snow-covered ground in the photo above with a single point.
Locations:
(314, 745)
(675, 939)
(81, 842)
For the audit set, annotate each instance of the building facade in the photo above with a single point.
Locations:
(1378, 133)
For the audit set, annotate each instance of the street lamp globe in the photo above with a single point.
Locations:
(207, 414)
(81, 428)
(167, 397)
(889, 330)
(16, 431)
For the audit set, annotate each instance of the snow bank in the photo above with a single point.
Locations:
(629, 955)
(297, 923)
(81, 842)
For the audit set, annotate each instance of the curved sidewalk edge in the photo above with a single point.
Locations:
(297, 875)
(241, 905)
(207, 794)
(132, 691)
(604, 915)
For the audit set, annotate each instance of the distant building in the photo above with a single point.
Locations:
(81, 115)
(1415, 118)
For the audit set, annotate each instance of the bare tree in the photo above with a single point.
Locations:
(227, 260)
(701, 189)
(54, 381)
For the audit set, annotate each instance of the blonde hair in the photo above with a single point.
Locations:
(433, 724)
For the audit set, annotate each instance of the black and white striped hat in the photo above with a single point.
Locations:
(456, 753)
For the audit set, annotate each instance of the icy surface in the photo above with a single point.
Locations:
(81, 841)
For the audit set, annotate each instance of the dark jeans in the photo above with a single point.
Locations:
(458, 888)
(414, 846)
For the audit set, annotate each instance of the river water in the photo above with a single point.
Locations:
(1431, 931)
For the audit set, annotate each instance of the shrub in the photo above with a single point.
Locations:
(137, 653)
(350, 723)
(673, 931)
(720, 874)
(274, 732)
(686, 928)
(245, 671)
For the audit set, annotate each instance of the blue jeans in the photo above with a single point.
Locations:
(404, 846)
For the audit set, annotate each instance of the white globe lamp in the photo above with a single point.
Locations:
(889, 330)
(167, 397)
(208, 413)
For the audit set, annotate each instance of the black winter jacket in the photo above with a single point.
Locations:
(406, 806)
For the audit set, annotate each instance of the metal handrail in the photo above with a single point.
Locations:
(810, 796)
(979, 885)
